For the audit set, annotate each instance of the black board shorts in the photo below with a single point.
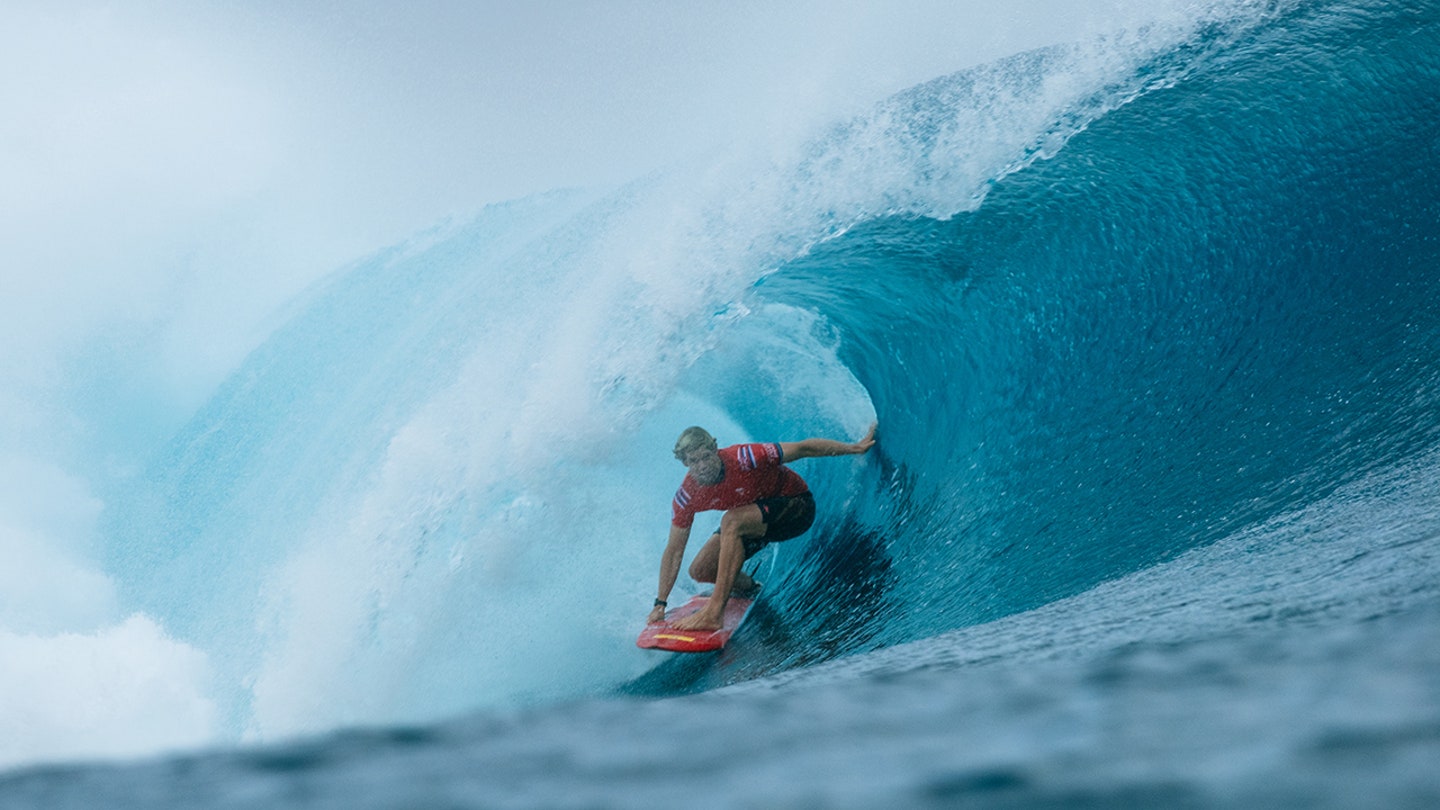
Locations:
(784, 518)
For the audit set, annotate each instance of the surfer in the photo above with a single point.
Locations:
(764, 502)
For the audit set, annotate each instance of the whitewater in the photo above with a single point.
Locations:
(1147, 324)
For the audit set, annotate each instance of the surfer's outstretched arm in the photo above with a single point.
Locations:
(670, 567)
(811, 448)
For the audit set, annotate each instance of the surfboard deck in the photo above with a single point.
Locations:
(661, 636)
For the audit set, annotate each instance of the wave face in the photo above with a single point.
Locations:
(1109, 304)
(1214, 306)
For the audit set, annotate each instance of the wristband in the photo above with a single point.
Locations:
(660, 603)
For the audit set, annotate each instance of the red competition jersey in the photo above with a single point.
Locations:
(752, 472)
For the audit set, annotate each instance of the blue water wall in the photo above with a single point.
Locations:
(1107, 303)
(1216, 304)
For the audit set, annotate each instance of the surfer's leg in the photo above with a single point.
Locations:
(735, 525)
(706, 565)
(707, 559)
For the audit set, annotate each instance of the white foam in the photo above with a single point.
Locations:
(47, 524)
(506, 544)
(121, 691)
(77, 678)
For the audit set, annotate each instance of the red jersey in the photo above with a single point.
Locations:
(752, 472)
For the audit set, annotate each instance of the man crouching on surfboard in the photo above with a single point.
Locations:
(764, 502)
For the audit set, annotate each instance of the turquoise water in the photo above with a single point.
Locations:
(1149, 330)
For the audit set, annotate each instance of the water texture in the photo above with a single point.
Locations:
(1149, 328)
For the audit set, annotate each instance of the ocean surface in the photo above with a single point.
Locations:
(1150, 325)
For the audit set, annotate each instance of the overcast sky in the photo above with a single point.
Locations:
(189, 165)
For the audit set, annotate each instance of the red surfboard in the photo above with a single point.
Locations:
(661, 636)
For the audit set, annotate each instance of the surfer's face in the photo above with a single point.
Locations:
(705, 465)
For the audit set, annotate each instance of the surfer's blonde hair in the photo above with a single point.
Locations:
(692, 438)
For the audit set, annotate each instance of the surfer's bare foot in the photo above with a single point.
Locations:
(698, 621)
